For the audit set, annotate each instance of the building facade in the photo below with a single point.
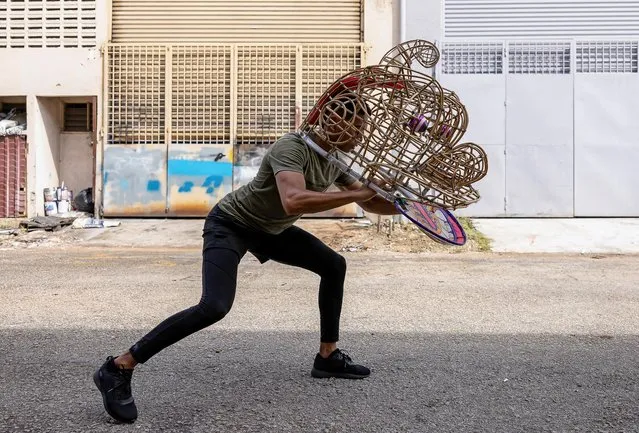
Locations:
(52, 72)
(550, 89)
(164, 107)
(197, 91)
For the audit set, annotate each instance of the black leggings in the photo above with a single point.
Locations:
(225, 243)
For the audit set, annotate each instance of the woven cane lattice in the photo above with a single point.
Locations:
(422, 52)
(392, 125)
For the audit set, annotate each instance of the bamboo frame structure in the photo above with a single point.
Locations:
(394, 127)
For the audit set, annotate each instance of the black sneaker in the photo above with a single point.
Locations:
(338, 364)
(115, 385)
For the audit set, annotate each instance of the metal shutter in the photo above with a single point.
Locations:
(13, 176)
(540, 19)
(237, 21)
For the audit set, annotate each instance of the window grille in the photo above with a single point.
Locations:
(539, 58)
(265, 93)
(473, 58)
(606, 56)
(321, 66)
(136, 94)
(217, 92)
(201, 88)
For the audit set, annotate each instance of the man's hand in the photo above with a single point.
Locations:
(372, 203)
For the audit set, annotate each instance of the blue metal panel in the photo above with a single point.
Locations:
(199, 178)
(134, 180)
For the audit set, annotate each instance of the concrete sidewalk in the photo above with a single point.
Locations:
(510, 235)
(569, 235)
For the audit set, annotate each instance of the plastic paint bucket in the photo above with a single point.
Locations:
(63, 206)
(48, 195)
(64, 194)
(50, 208)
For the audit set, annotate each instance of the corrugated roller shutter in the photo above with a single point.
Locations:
(541, 18)
(13, 176)
(232, 21)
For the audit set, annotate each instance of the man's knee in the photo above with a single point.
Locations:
(336, 266)
(214, 310)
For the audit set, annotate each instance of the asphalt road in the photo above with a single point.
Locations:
(457, 343)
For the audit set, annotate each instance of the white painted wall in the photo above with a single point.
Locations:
(51, 71)
(381, 24)
(485, 99)
(424, 20)
(606, 149)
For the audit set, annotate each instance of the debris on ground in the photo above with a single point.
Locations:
(353, 248)
(51, 230)
(47, 223)
(94, 223)
(348, 236)
(355, 235)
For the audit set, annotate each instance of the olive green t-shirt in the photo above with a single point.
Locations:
(258, 204)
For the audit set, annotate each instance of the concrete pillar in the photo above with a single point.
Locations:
(43, 135)
(381, 32)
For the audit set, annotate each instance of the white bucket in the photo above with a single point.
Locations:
(50, 208)
(48, 195)
(65, 195)
(63, 206)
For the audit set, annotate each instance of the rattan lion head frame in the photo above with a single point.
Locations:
(407, 128)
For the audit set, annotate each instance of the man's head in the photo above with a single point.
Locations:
(343, 120)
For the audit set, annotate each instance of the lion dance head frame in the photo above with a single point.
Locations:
(396, 129)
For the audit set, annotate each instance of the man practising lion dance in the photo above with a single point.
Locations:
(397, 125)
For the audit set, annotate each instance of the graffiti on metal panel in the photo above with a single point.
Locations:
(187, 174)
(134, 180)
(198, 177)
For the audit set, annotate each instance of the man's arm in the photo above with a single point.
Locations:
(376, 205)
(297, 200)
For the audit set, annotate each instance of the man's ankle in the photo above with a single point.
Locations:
(125, 361)
(326, 349)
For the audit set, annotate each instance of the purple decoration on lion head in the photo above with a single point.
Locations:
(418, 123)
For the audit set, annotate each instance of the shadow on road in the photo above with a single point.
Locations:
(232, 381)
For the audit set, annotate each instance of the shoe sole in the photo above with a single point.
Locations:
(319, 374)
(96, 380)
